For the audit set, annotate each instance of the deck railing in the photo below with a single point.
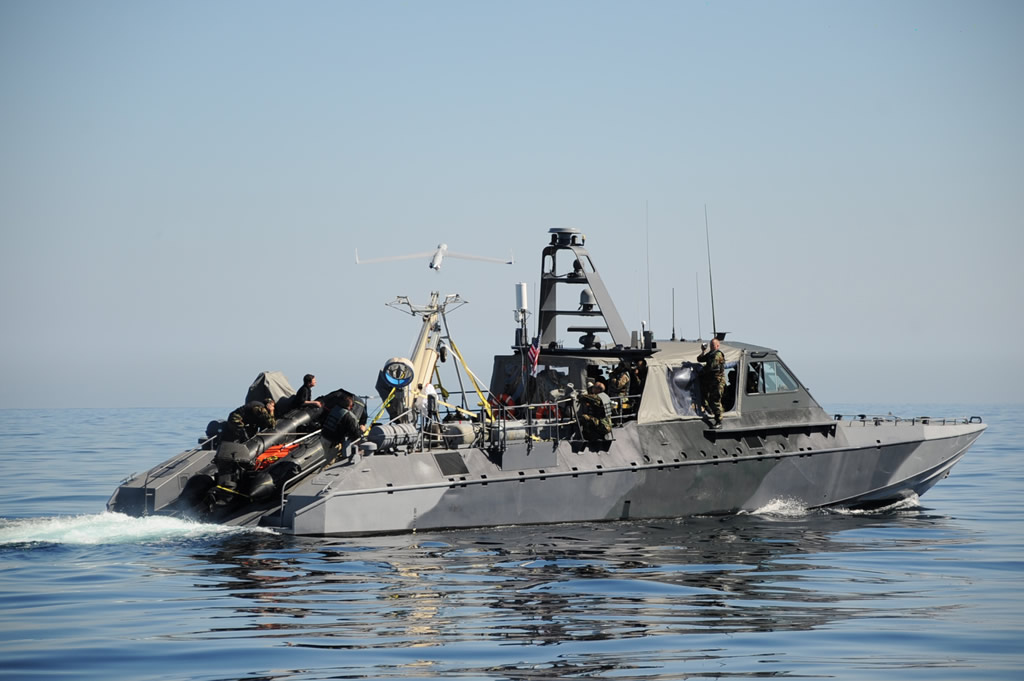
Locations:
(890, 419)
(545, 421)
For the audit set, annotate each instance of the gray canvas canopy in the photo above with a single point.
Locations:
(671, 379)
(272, 384)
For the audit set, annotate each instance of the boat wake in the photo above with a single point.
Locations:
(793, 508)
(111, 528)
(783, 508)
(911, 503)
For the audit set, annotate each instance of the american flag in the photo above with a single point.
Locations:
(533, 354)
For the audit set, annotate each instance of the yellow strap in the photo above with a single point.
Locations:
(437, 377)
(383, 406)
(472, 378)
(228, 489)
(457, 408)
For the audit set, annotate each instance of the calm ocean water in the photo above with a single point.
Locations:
(932, 590)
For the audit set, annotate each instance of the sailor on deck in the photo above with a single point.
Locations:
(248, 420)
(712, 380)
(595, 413)
(619, 381)
(342, 428)
(304, 395)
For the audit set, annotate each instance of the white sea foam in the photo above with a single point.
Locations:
(110, 528)
(911, 503)
(793, 508)
(783, 508)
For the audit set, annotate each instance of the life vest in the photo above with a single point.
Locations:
(272, 455)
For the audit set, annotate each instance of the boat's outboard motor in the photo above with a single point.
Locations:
(232, 458)
(197, 487)
(213, 430)
(232, 452)
(261, 486)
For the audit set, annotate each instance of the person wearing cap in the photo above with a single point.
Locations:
(248, 420)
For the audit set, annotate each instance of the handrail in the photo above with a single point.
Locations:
(303, 438)
(312, 470)
(864, 419)
(554, 415)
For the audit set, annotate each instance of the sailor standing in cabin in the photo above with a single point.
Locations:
(712, 380)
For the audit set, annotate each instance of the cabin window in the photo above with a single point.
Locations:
(769, 377)
(729, 395)
(686, 387)
(684, 382)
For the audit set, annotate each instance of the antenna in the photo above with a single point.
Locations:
(696, 287)
(647, 229)
(711, 281)
(673, 313)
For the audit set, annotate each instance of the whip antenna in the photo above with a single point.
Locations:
(647, 230)
(696, 287)
(711, 281)
(673, 313)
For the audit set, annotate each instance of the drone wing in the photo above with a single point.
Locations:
(390, 258)
(463, 256)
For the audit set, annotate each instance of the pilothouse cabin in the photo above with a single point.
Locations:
(664, 383)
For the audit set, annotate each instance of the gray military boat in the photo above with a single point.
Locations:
(519, 455)
(518, 451)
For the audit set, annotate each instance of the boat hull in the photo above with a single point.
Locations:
(641, 476)
(624, 427)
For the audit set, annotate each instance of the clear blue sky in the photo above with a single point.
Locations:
(183, 185)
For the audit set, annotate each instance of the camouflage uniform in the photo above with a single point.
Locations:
(713, 382)
(246, 421)
(595, 416)
(618, 384)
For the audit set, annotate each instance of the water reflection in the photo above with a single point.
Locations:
(563, 586)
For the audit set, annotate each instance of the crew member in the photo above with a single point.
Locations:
(618, 382)
(595, 413)
(639, 376)
(304, 395)
(248, 420)
(342, 427)
(712, 380)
